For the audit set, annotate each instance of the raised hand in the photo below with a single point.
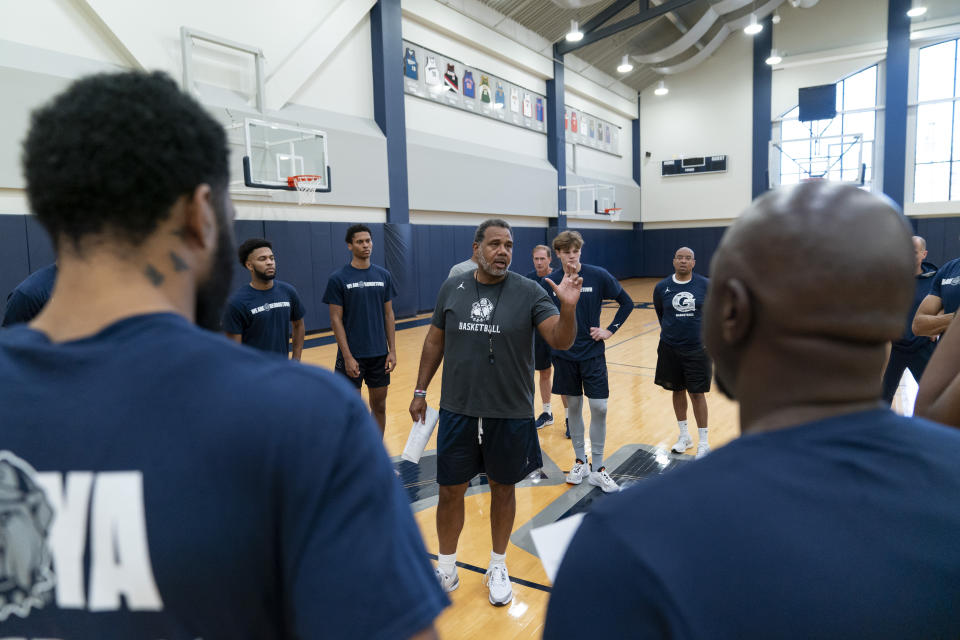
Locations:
(568, 291)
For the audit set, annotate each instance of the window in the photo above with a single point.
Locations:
(936, 175)
(831, 148)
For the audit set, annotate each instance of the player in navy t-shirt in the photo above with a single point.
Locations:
(541, 350)
(260, 314)
(831, 517)
(940, 306)
(361, 315)
(156, 479)
(581, 370)
(911, 351)
(683, 366)
(26, 301)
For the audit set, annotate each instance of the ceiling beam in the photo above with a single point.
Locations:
(598, 20)
(596, 35)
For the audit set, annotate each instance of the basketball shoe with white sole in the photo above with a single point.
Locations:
(603, 480)
(702, 449)
(544, 419)
(579, 471)
(448, 583)
(683, 443)
(498, 581)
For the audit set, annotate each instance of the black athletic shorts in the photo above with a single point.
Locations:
(373, 371)
(683, 370)
(581, 377)
(506, 450)
(541, 353)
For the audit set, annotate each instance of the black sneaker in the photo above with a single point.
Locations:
(566, 421)
(544, 419)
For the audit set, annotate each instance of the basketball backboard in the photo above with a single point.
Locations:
(595, 201)
(276, 152)
(836, 158)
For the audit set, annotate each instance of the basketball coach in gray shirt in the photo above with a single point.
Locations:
(482, 329)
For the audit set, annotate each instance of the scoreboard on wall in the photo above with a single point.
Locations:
(693, 165)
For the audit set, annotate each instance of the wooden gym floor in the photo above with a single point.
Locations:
(639, 413)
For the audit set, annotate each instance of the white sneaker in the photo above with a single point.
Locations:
(580, 471)
(603, 480)
(498, 581)
(683, 443)
(448, 583)
(702, 449)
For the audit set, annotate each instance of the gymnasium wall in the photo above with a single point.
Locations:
(309, 251)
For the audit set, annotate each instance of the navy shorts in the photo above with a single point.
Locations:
(682, 370)
(506, 450)
(541, 353)
(581, 377)
(373, 371)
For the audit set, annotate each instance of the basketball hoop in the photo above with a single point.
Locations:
(307, 186)
(614, 213)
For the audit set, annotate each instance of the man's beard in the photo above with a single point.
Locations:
(263, 276)
(212, 293)
(488, 268)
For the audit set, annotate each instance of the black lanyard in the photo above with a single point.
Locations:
(492, 313)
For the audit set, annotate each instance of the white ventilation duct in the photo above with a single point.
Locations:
(802, 4)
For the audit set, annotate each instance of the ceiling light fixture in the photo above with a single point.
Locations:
(574, 35)
(776, 18)
(625, 66)
(917, 9)
(774, 58)
(754, 27)
(661, 89)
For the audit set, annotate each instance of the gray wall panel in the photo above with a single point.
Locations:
(448, 175)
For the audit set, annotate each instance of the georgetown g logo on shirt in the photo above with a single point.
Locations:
(26, 578)
(684, 303)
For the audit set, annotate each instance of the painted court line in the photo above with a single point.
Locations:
(520, 581)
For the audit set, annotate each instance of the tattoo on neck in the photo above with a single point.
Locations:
(178, 263)
(155, 277)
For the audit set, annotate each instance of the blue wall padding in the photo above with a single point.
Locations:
(398, 251)
(39, 247)
(243, 230)
(942, 236)
(659, 246)
(14, 259)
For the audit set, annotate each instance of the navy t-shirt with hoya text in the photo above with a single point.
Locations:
(159, 481)
(262, 318)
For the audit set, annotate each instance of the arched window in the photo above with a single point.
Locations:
(832, 148)
(936, 175)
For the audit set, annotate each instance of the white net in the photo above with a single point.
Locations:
(307, 188)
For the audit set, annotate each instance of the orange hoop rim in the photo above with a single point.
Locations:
(293, 180)
(613, 210)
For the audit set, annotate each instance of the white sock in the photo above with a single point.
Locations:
(703, 435)
(566, 412)
(447, 563)
(683, 427)
(497, 558)
(546, 408)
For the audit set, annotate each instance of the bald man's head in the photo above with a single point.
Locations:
(820, 262)
(683, 262)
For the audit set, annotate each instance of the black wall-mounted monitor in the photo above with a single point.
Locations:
(818, 103)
